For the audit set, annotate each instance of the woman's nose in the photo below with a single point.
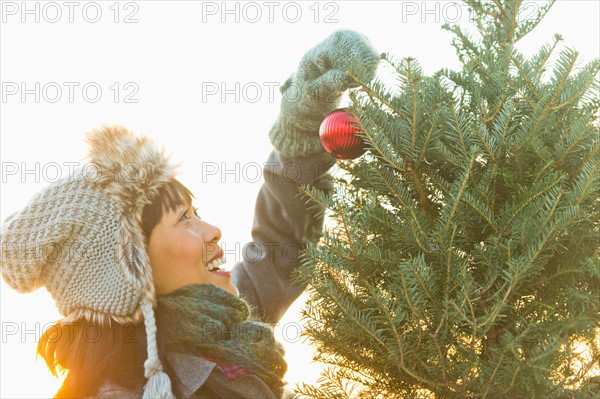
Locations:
(211, 233)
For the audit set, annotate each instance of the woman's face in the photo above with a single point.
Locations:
(181, 247)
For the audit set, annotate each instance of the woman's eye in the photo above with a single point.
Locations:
(186, 215)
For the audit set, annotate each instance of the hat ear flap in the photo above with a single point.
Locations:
(133, 257)
(133, 169)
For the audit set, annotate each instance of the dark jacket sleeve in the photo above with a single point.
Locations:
(283, 225)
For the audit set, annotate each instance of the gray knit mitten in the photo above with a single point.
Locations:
(317, 88)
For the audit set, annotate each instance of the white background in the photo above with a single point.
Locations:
(171, 52)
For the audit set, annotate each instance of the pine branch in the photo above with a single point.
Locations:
(526, 200)
(541, 58)
(414, 104)
(423, 197)
(491, 379)
(460, 190)
(587, 183)
(373, 142)
(591, 79)
(526, 27)
(420, 234)
(372, 94)
(461, 135)
(518, 61)
(347, 232)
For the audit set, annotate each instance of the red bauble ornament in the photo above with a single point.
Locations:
(338, 135)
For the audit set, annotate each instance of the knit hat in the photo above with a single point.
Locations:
(82, 239)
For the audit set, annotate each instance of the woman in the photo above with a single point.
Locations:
(118, 242)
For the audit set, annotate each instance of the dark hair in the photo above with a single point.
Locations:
(169, 197)
(93, 353)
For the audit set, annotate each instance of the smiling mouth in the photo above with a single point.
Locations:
(215, 264)
(216, 261)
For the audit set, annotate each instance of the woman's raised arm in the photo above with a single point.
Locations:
(283, 224)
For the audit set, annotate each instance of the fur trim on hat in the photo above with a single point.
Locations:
(131, 168)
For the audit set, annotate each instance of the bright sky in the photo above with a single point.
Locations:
(200, 78)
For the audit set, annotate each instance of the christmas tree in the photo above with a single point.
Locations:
(465, 258)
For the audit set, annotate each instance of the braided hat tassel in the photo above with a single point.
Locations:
(159, 384)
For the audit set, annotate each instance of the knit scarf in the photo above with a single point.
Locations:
(207, 321)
